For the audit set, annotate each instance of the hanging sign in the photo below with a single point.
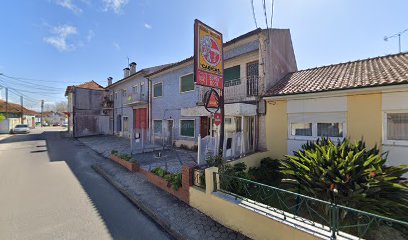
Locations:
(211, 101)
(217, 119)
(208, 56)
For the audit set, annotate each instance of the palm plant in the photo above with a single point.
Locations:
(349, 174)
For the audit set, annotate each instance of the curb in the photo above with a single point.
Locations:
(159, 220)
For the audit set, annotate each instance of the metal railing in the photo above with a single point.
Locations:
(311, 214)
(136, 98)
(236, 90)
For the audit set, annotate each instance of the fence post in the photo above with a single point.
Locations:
(334, 220)
(209, 180)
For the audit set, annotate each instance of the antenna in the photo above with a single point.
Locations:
(386, 38)
(127, 59)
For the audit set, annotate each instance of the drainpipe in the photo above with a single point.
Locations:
(73, 112)
(149, 100)
(113, 112)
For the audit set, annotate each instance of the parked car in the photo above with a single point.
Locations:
(21, 128)
(56, 125)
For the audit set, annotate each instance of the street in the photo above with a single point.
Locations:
(48, 190)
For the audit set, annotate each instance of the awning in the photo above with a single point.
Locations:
(232, 109)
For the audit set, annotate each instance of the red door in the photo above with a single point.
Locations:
(140, 116)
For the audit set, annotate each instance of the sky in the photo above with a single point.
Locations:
(47, 45)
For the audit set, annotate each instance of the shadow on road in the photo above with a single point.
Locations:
(121, 218)
(22, 138)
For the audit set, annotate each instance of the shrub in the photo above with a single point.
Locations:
(349, 174)
(268, 172)
(175, 179)
(114, 152)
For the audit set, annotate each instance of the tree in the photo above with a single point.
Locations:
(2, 117)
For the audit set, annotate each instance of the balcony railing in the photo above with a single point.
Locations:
(134, 98)
(237, 90)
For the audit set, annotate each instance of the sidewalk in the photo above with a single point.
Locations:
(171, 160)
(178, 218)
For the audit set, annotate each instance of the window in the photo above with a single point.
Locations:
(116, 95)
(187, 83)
(125, 124)
(187, 128)
(232, 76)
(142, 88)
(134, 89)
(301, 129)
(123, 92)
(157, 126)
(397, 126)
(158, 90)
(329, 129)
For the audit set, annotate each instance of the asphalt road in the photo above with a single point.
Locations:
(48, 190)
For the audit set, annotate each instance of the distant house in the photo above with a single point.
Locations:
(130, 100)
(365, 99)
(253, 63)
(54, 117)
(16, 115)
(86, 111)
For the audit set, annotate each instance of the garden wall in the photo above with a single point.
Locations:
(228, 211)
(253, 160)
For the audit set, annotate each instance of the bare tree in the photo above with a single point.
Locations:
(61, 106)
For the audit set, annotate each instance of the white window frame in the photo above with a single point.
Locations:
(316, 119)
(187, 119)
(180, 83)
(124, 92)
(385, 129)
(155, 124)
(134, 89)
(161, 88)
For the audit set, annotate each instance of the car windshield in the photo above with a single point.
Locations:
(21, 126)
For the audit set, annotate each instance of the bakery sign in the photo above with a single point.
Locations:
(208, 56)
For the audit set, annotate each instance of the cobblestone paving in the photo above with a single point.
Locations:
(183, 219)
(171, 160)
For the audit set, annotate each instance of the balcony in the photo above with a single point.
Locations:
(136, 98)
(239, 90)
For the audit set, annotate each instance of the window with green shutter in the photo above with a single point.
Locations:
(187, 83)
(232, 76)
(187, 128)
(158, 90)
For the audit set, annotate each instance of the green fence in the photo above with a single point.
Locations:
(310, 213)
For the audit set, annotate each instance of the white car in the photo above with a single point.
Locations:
(21, 128)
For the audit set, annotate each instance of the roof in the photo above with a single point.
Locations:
(371, 72)
(15, 108)
(230, 42)
(144, 71)
(92, 85)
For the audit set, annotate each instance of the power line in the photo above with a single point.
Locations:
(26, 91)
(23, 85)
(23, 82)
(266, 15)
(39, 80)
(253, 13)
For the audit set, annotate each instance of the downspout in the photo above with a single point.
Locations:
(149, 94)
(113, 112)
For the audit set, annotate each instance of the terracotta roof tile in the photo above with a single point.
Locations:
(91, 85)
(14, 108)
(379, 71)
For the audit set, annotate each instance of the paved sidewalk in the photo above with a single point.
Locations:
(171, 160)
(178, 218)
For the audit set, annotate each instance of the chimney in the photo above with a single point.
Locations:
(126, 72)
(110, 81)
(132, 68)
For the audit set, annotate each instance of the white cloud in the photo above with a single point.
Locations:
(116, 45)
(115, 5)
(90, 36)
(59, 40)
(68, 4)
(148, 26)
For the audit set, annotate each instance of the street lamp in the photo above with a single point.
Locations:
(396, 35)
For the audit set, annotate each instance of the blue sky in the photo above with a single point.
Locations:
(62, 42)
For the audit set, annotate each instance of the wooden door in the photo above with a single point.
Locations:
(140, 118)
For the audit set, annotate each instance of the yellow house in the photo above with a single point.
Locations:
(362, 99)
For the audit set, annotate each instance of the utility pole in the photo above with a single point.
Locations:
(7, 115)
(42, 108)
(22, 109)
